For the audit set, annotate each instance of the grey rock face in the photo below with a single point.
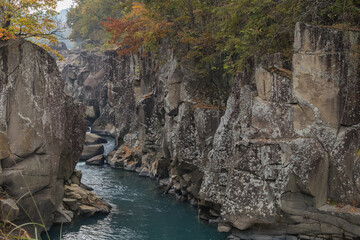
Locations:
(281, 151)
(272, 161)
(94, 139)
(84, 74)
(97, 160)
(84, 202)
(41, 130)
(92, 151)
(9, 209)
(163, 126)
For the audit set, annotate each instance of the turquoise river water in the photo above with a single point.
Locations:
(140, 211)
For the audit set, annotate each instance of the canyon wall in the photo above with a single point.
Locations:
(279, 158)
(285, 151)
(41, 134)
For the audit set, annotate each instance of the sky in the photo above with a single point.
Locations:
(64, 4)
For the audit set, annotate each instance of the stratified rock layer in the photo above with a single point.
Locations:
(41, 131)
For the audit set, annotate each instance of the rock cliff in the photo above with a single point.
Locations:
(85, 80)
(286, 147)
(42, 133)
(280, 158)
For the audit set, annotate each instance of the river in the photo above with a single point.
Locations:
(140, 211)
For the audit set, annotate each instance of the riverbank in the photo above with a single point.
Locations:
(139, 211)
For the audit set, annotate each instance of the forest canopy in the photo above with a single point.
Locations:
(220, 36)
(85, 19)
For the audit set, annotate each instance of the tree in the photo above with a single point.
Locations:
(29, 19)
(85, 17)
(139, 28)
(253, 28)
(222, 35)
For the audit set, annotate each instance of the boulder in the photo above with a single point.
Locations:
(87, 211)
(92, 138)
(122, 157)
(108, 129)
(76, 177)
(117, 163)
(91, 151)
(110, 156)
(9, 209)
(71, 204)
(224, 227)
(87, 203)
(130, 166)
(145, 172)
(63, 216)
(97, 160)
(90, 113)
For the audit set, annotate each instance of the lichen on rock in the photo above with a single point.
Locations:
(41, 131)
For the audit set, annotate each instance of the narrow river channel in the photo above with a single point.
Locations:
(140, 211)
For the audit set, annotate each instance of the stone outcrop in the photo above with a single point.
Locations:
(287, 148)
(84, 202)
(97, 160)
(164, 128)
(85, 80)
(42, 132)
(279, 158)
(91, 151)
(93, 139)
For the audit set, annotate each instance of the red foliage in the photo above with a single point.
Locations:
(139, 28)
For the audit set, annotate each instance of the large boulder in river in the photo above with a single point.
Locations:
(97, 160)
(92, 151)
(41, 130)
(92, 138)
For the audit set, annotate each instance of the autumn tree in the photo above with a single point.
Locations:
(85, 17)
(222, 35)
(139, 28)
(253, 28)
(29, 19)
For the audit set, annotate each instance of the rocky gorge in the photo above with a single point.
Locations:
(280, 158)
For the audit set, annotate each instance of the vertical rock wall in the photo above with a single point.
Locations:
(279, 159)
(164, 127)
(287, 143)
(41, 131)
